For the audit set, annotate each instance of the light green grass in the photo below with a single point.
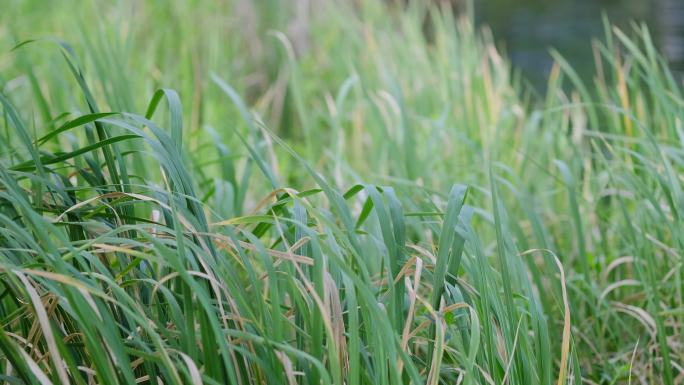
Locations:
(238, 192)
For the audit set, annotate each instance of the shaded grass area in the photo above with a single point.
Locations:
(346, 201)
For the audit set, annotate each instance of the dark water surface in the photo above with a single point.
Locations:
(526, 29)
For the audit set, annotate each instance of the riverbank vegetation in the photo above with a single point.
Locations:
(331, 193)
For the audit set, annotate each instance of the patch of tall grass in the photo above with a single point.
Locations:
(331, 193)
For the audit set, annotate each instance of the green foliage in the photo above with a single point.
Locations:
(189, 196)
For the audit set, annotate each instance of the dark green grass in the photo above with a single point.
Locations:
(352, 204)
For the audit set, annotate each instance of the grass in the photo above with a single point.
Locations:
(371, 196)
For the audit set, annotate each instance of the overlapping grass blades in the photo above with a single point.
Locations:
(302, 218)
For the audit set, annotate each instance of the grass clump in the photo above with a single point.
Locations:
(358, 199)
